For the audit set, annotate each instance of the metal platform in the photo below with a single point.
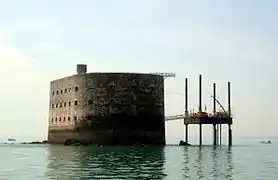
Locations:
(216, 118)
(209, 120)
(204, 120)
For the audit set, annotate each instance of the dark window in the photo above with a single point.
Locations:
(69, 103)
(61, 104)
(55, 119)
(56, 105)
(90, 102)
(61, 91)
(75, 118)
(64, 118)
(75, 102)
(90, 117)
(65, 104)
(65, 90)
(57, 92)
(69, 89)
(60, 119)
(68, 118)
(52, 120)
(53, 93)
(76, 88)
(53, 106)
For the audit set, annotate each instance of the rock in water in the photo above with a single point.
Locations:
(182, 143)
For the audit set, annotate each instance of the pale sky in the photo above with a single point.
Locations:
(231, 40)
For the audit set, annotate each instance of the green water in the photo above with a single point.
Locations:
(35, 162)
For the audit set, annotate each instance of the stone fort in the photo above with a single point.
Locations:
(107, 108)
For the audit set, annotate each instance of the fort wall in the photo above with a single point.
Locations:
(107, 108)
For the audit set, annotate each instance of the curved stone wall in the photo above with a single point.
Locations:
(108, 108)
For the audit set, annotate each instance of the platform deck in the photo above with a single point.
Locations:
(209, 120)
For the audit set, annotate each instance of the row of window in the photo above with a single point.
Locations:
(60, 119)
(64, 91)
(64, 104)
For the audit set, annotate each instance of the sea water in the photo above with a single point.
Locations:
(250, 161)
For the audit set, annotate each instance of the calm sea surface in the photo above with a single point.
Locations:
(241, 162)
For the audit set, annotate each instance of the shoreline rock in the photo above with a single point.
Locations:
(74, 142)
(182, 143)
(36, 142)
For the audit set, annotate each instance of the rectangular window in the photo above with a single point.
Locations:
(90, 102)
(75, 102)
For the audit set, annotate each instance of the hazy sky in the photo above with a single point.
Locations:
(231, 40)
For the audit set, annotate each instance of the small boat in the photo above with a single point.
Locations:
(11, 139)
(266, 142)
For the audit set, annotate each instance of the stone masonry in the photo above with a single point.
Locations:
(107, 108)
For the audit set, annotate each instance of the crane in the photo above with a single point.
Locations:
(222, 107)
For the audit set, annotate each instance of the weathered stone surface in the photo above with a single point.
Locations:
(112, 108)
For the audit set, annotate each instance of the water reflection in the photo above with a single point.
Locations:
(208, 162)
(105, 163)
(230, 165)
(222, 163)
(200, 163)
(215, 166)
(186, 168)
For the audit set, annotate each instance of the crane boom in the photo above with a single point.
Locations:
(222, 107)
